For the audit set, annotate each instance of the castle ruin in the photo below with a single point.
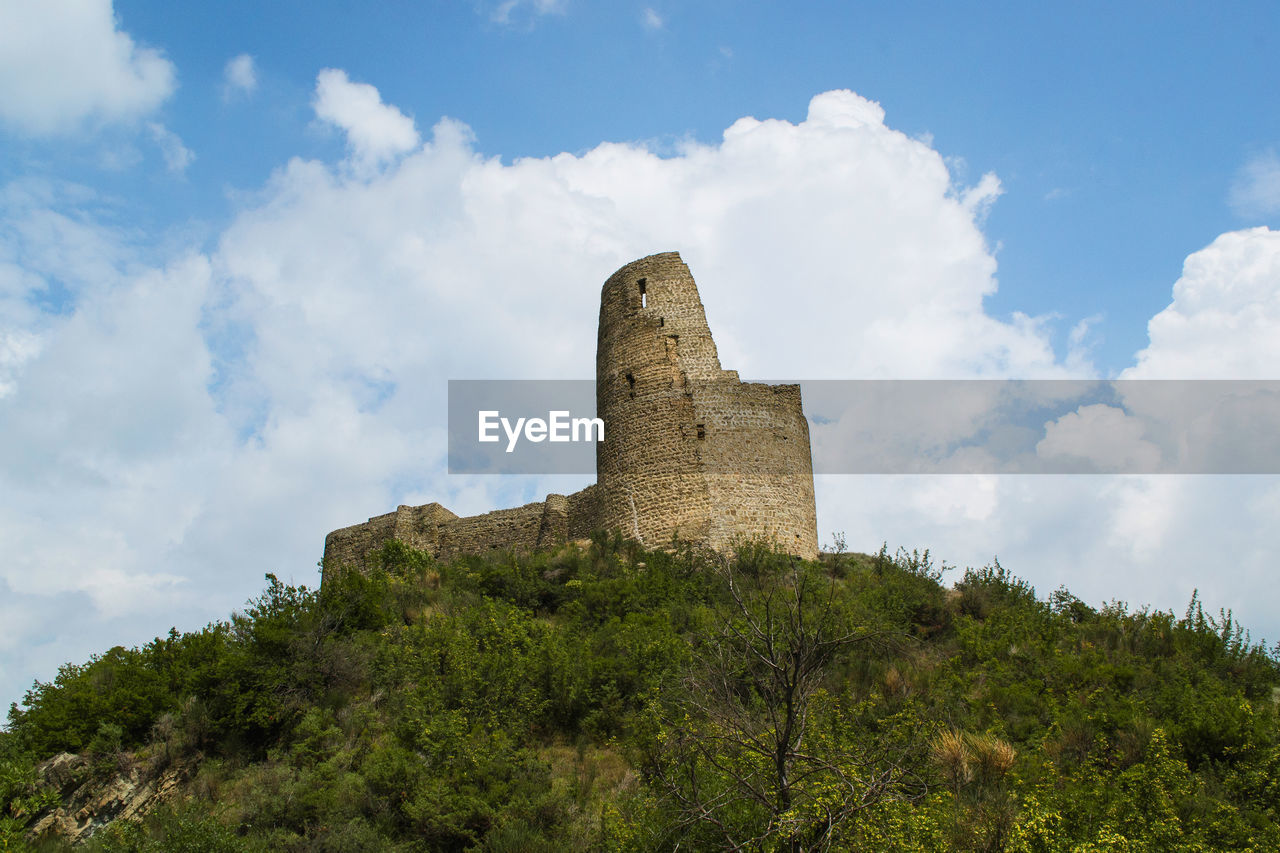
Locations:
(690, 452)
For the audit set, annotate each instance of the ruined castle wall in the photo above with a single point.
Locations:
(584, 513)
(349, 546)
(416, 526)
(758, 464)
(436, 530)
(517, 529)
(689, 451)
(419, 526)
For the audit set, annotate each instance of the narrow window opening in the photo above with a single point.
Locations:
(662, 321)
(631, 380)
(644, 299)
(702, 432)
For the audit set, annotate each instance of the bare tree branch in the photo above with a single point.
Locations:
(745, 768)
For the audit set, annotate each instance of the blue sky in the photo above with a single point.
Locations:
(243, 245)
(1117, 130)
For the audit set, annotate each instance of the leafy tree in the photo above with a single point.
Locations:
(606, 697)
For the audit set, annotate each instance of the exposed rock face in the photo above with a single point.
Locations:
(87, 804)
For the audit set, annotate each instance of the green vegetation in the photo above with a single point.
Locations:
(615, 698)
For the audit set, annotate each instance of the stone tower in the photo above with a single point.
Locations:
(689, 451)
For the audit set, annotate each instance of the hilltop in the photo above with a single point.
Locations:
(605, 696)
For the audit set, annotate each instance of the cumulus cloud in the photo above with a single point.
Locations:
(228, 410)
(1106, 438)
(770, 215)
(179, 431)
(1255, 192)
(1147, 540)
(64, 63)
(1144, 539)
(239, 77)
(1224, 320)
(376, 132)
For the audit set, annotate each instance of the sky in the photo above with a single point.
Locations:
(244, 246)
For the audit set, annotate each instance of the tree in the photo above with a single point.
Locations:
(757, 754)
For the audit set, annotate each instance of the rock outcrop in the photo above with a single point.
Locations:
(88, 801)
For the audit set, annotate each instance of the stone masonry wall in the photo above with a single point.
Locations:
(434, 529)
(758, 465)
(654, 347)
(689, 452)
(418, 527)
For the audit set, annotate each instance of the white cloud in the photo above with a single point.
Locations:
(102, 433)
(1255, 192)
(979, 198)
(1147, 540)
(1224, 321)
(1103, 436)
(376, 132)
(178, 432)
(176, 155)
(651, 20)
(774, 208)
(65, 62)
(54, 246)
(214, 419)
(239, 77)
(1080, 346)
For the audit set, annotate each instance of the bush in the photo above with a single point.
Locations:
(453, 706)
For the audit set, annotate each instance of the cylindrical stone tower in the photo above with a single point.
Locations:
(654, 342)
(689, 451)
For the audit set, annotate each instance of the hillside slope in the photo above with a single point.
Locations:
(608, 697)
